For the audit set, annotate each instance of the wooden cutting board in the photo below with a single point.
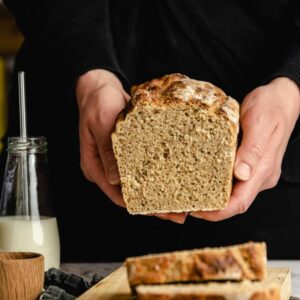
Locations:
(115, 286)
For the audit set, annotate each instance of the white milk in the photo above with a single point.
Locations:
(38, 235)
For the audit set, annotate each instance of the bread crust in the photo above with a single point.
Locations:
(178, 89)
(245, 261)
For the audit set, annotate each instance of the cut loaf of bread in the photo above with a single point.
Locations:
(245, 261)
(175, 146)
(211, 291)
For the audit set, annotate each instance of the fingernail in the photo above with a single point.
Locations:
(113, 175)
(242, 171)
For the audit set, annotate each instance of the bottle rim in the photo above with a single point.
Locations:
(30, 144)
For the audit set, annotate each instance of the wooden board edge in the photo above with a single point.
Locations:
(286, 287)
(116, 274)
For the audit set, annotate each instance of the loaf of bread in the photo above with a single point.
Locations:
(211, 291)
(175, 146)
(245, 261)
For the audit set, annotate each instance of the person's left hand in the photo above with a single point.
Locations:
(268, 116)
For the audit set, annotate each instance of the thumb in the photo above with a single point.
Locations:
(110, 111)
(109, 163)
(257, 132)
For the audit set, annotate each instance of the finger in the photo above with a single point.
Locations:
(112, 191)
(257, 132)
(92, 168)
(178, 218)
(126, 96)
(174, 217)
(111, 103)
(272, 163)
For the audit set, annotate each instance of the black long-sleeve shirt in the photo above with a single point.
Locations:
(235, 44)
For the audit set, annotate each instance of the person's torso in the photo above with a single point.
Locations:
(232, 44)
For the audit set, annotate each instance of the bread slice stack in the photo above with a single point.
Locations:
(175, 146)
(233, 272)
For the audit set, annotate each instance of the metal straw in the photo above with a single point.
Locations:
(22, 105)
(23, 135)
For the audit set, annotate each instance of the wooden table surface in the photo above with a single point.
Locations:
(87, 270)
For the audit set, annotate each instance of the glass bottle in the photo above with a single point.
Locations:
(26, 221)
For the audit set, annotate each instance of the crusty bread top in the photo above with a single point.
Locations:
(252, 247)
(176, 89)
(244, 261)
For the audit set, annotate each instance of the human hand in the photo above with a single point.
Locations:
(100, 99)
(268, 116)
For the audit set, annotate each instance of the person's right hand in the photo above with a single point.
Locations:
(100, 99)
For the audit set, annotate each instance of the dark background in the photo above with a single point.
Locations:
(91, 227)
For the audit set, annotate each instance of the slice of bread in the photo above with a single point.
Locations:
(211, 291)
(245, 261)
(175, 146)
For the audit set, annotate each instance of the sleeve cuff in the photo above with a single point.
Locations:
(290, 71)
